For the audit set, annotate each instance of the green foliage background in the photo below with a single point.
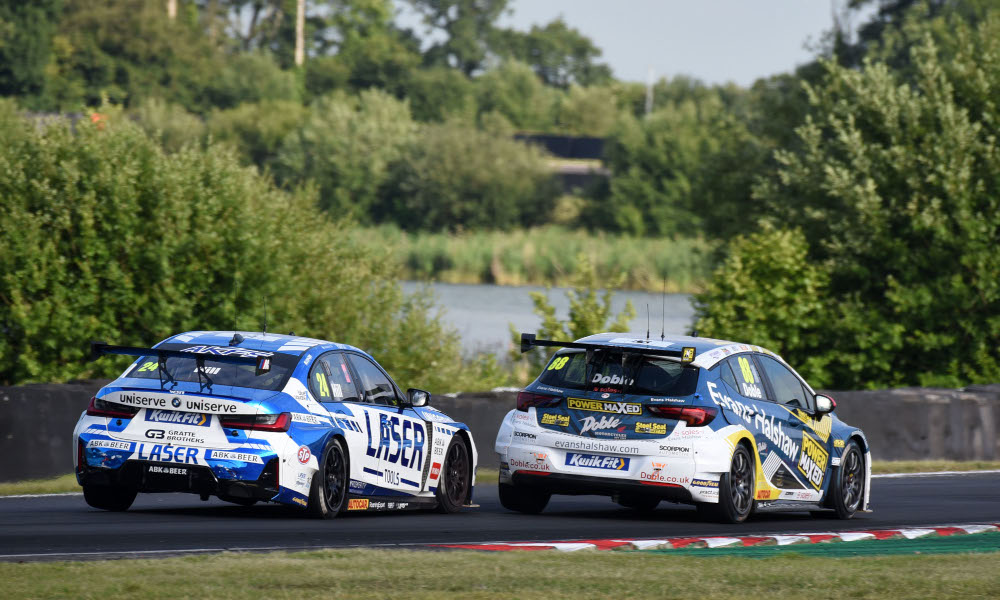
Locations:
(108, 237)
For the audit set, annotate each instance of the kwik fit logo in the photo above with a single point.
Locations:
(595, 461)
(179, 418)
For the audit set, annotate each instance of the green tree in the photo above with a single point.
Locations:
(896, 191)
(26, 30)
(345, 146)
(467, 26)
(589, 313)
(107, 237)
(454, 177)
(515, 92)
(559, 54)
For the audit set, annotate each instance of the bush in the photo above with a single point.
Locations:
(346, 145)
(257, 130)
(896, 189)
(169, 124)
(106, 237)
(455, 177)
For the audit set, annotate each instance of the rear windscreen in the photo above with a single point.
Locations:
(216, 372)
(642, 375)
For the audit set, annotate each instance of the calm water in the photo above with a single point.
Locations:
(482, 313)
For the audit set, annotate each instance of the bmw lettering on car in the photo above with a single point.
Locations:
(726, 426)
(253, 417)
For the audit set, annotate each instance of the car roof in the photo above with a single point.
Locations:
(256, 340)
(708, 351)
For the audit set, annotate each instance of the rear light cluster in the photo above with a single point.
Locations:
(277, 422)
(103, 408)
(694, 416)
(526, 400)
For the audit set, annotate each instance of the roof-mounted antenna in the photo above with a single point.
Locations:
(663, 311)
(265, 315)
(236, 305)
(647, 320)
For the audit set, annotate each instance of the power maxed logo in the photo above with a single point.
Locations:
(812, 461)
(596, 461)
(178, 418)
(621, 408)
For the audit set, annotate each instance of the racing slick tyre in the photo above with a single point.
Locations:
(523, 500)
(736, 490)
(328, 493)
(456, 475)
(109, 497)
(849, 482)
(640, 504)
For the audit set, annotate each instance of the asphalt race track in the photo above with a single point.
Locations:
(64, 527)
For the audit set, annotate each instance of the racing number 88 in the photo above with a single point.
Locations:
(558, 363)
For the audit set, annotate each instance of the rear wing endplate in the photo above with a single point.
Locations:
(685, 354)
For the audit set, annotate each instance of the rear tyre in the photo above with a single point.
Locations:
(328, 493)
(848, 486)
(523, 500)
(640, 504)
(109, 497)
(456, 477)
(736, 489)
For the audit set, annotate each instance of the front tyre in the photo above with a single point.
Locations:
(849, 483)
(328, 493)
(736, 489)
(523, 500)
(456, 477)
(109, 497)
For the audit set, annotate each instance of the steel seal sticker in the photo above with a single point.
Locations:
(553, 419)
(596, 461)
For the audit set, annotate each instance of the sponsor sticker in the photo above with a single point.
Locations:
(525, 436)
(307, 418)
(527, 464)
(178, 418)
(435, 470)
(654, 428)
(668, 449)
(110, 444)
(166, 470)
(304, 454)
(300, 501)
(237, 456)
(595, 461)
(605, 406)
(552, 419)
(704, 483)
(812, 461)
(357, 504)
(595, 446)
(595, 425)
(838, 443)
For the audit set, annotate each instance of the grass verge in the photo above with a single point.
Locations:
(54, 485)
(544, 575)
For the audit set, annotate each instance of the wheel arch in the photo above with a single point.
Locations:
(472, 460)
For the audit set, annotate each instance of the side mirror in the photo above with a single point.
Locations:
(418, 397)
(824, 404)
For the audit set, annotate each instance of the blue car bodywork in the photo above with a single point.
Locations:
(248, 417)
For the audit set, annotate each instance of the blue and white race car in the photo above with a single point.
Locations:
(728, 427)
(256, 417)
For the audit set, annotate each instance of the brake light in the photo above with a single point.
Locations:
(102, 408)
(526, 400)
(278, 422)
(694, 416)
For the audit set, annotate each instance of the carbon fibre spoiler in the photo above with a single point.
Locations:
(685, 354)
(260, 358)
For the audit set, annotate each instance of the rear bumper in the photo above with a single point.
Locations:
(575, 485)
(136, 474)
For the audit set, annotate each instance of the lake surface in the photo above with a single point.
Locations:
(482, 313)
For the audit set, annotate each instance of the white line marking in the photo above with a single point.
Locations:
(43, 495)
(934, 474)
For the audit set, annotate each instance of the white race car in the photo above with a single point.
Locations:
(254, 417)
(725, 426)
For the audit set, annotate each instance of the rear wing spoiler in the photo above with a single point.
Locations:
(260, 358)
(685, 354)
